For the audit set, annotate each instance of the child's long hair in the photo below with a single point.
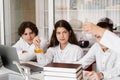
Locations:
(62, 23)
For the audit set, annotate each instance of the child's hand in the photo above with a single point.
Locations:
(93, 29)
(36, 42)
(24, 51)
(91, 75)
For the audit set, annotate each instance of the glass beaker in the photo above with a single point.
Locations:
(83, 42)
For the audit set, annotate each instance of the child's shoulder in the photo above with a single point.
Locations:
(75, 46)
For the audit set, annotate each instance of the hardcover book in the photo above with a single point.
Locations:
(62, 78)
(63, 67)
(63, 74)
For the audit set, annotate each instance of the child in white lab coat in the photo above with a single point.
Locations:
(24, 46)
(107, 58)
(63, 46)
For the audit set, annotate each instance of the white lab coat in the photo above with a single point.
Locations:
(106, 62)
(70, 54)
(111, 41)
(21, 45)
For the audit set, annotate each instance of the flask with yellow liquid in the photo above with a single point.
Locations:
(38, 50)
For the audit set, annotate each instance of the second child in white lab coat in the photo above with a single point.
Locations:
(24, 46)
(63, 46)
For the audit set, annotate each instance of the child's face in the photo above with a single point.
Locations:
(98, 38)
(62, 35)
(28, 35)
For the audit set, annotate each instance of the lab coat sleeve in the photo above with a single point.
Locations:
(45, 58)
(29, 55)
(44, 44)
(89, 58)
(80, 54)
(111, 40)
(115, 71)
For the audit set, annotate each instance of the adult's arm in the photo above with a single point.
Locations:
(93, 29)
(89, 58)
(111, 40)
(108, 39)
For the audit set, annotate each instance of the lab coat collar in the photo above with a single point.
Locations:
(67, 46)
(24, 42)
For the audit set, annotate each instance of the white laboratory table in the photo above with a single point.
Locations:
(38, 76)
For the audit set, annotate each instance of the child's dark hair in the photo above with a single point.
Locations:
(63, 23)
(106, 23)
(27, 24)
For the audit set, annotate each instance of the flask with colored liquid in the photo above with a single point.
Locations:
(38, 50)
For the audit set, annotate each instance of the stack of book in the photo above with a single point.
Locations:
(63, 71)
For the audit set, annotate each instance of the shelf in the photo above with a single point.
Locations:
(77, 29)
(87, 10)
